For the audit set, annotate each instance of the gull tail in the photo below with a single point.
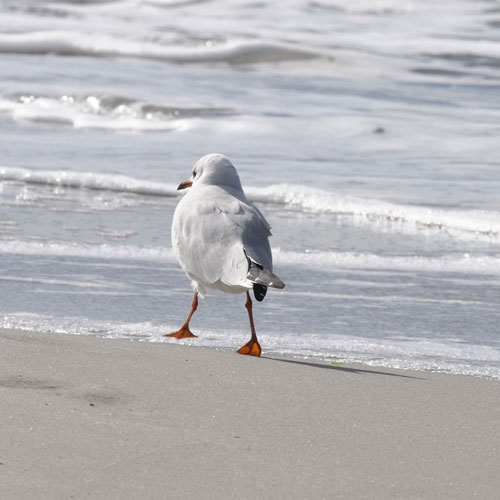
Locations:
(261, 279)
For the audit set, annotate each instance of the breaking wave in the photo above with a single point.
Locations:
(479, 223)
(80, 44)
(482, 224)
(87, 180)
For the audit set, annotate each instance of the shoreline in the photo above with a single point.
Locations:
(89, 417)
(268, 352)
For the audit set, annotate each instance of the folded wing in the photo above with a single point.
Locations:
(232, 248)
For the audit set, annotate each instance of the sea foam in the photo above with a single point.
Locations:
(403, 353)
(320, 261)
(108, 112)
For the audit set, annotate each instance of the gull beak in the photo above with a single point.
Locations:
(185, 184)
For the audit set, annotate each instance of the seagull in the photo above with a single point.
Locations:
(221, 240)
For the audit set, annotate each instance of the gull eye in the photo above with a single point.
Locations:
(194, 174)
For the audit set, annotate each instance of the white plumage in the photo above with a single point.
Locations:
(219, 238)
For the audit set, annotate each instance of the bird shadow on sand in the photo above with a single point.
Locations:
(347, 369)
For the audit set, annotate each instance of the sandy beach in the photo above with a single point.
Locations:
(83, 417)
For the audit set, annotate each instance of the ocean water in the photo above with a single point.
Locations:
(367, 132)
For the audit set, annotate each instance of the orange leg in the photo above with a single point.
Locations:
(184, 332)
(253, 347)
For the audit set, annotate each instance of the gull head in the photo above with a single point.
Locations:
(213, 169)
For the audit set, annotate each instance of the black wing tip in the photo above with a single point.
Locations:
(259, 291)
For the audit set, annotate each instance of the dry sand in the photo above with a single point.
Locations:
(89, 418)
